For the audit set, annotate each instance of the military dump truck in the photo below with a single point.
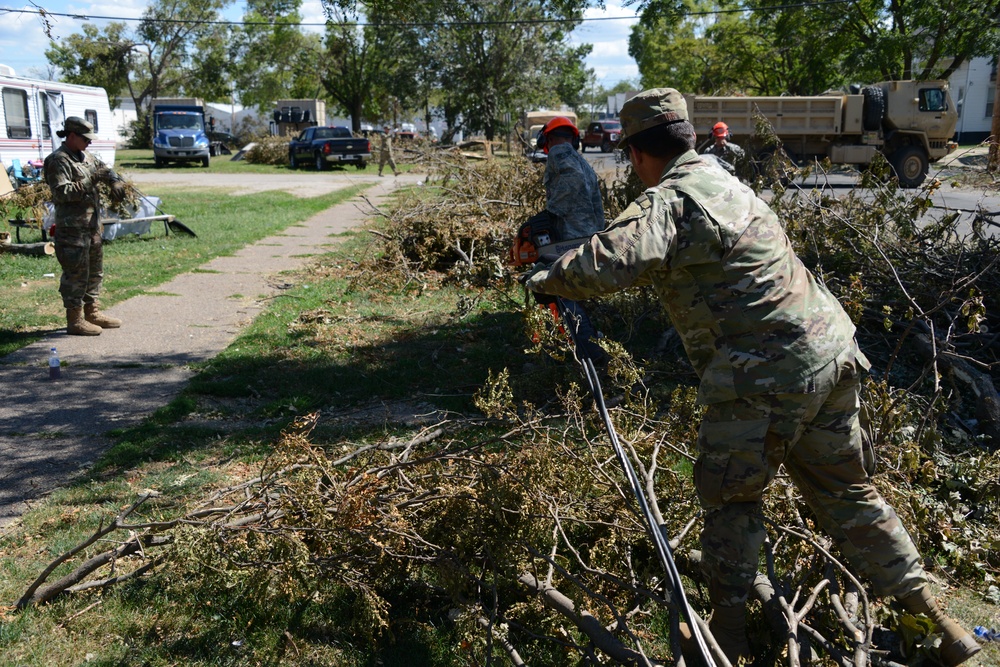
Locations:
(910, 122)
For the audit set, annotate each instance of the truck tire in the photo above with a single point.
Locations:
(361, 165)
(606, 146)
(873, 110)
(320, 162)
(293, 163)
(910, 164)
(158, 161)
(205, 162)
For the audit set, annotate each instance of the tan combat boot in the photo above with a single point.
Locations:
(92, 313)
(957, 646)
(76, 325)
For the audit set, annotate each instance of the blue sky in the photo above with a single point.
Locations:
(23, 41)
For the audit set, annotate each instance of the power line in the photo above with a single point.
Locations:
(409, 24)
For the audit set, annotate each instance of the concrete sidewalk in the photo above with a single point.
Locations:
(51, 431)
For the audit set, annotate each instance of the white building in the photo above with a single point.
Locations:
(973, 86)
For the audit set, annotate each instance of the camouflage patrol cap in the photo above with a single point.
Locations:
(79, 126)
(657, 106)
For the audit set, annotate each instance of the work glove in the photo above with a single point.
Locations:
(525, 279)
(536, 268)
(106, 174)
(118, 192)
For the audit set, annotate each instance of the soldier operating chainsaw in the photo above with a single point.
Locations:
(573, 206)
(778, 365)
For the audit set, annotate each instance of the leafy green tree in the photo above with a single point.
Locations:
(95, 57)
(706, 48)
(674, 53)
(163, 56)
(272, 58)
(499, 58)
(921, 39)
(771, 47)
(362, 59)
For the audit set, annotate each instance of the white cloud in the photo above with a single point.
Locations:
(23, 42)
(22, 36)
(312, 12)
(609, 57)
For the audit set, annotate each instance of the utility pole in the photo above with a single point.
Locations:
(993, 165)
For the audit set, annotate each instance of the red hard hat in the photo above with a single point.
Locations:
(555, 124)
(560, 121)
(720, 129)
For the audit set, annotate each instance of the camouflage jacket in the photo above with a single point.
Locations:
(73, 181)
(752, 317)
(731, 156)
(572, 193)
(385, 144)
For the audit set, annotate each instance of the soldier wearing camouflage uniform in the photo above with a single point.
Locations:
(385, 153)
(775, 353)
(72, 175)
(729, 155)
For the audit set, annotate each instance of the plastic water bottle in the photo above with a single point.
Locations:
(986, 634)
(54, 372)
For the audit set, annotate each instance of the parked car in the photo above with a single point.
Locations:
(601, 134)
(323, 146)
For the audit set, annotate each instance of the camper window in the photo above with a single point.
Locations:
(46, 130)
(91, 116)
(15, 109)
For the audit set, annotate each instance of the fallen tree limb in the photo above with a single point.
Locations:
(584, 621)
(30, 596)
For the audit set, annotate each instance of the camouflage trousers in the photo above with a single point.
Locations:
(385, 155)
(817, 435)
(80, 252)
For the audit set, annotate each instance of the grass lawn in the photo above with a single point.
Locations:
(134, 264)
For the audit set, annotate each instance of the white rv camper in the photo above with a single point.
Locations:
(32, 110)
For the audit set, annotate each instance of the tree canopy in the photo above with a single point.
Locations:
(160, 57)
(271, 57)
(770, 47)
(479, 63)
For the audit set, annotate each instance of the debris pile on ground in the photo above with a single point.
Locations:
(268, 150)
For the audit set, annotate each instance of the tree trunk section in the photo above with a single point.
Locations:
(37, 249)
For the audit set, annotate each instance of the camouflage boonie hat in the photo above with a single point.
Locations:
(657, 106)
(77, 125)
